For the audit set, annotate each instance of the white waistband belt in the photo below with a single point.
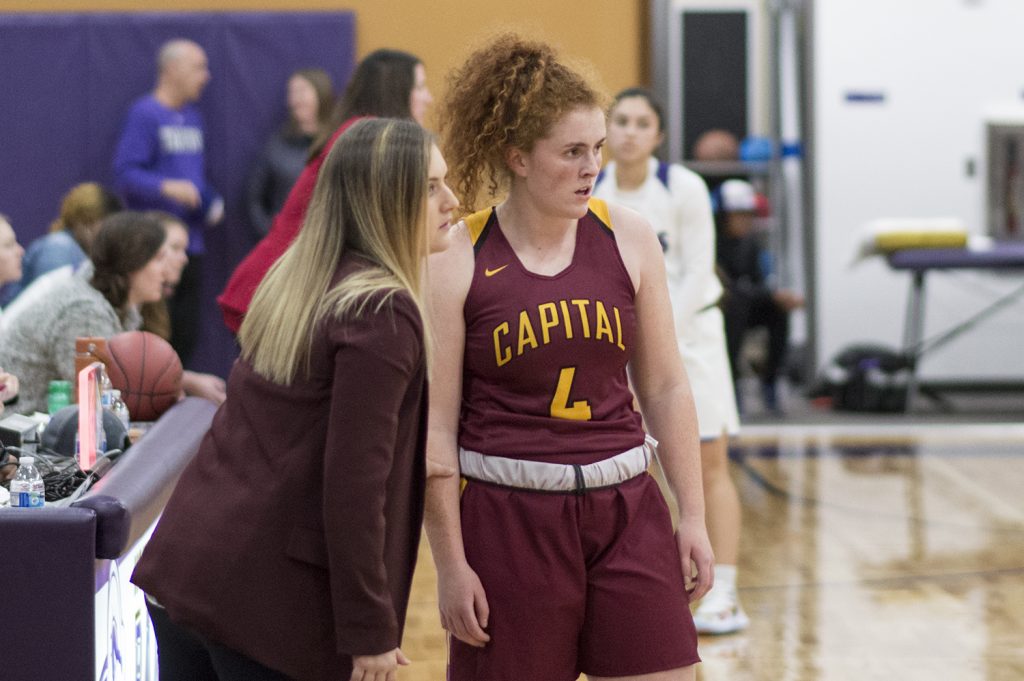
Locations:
(557, 477)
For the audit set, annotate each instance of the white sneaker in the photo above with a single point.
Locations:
(720, 613)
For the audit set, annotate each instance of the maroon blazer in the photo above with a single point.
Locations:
(292, 535)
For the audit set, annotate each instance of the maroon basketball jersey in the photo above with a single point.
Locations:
(544, 374)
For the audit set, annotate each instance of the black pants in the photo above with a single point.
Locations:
(186, 656)
(185, 307)
(743, 313)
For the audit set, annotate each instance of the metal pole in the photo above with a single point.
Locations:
(805, 62)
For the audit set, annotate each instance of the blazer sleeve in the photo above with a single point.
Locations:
(375, 361)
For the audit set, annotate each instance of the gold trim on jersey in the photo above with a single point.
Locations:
(476, 222)
(600, 208)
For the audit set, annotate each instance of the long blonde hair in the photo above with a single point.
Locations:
(370, 198)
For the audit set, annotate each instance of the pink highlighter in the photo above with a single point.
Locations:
(88, 415)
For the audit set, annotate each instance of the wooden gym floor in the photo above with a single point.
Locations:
(868, 554)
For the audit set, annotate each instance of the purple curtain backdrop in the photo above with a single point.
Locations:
(66, 81)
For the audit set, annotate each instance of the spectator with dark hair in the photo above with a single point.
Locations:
(8, 391)
(387, 83)
(11, 253)
(81, 211)
(160, 164)
(10, 269)
(155, 317)
(101, 299)
(310, 96)
(716, 145)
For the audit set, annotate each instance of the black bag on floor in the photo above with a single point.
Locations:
(867, 378)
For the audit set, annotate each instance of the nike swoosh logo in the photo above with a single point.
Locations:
(491, 273)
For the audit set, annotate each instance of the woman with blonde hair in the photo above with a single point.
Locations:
(309, 485)
(559, 557)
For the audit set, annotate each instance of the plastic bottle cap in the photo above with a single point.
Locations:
(115, 392)
(26, 460)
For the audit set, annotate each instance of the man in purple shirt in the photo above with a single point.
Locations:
(159, 164)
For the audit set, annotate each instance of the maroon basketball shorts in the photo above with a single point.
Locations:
(576, 583)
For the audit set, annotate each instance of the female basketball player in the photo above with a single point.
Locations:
(563, 558)
(309, 486)
(677, 203)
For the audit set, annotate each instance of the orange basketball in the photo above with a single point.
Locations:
(147, 371)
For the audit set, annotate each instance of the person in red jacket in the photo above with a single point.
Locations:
(287, 548)
(387, 83)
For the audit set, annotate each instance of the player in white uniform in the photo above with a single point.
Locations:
(676, 202)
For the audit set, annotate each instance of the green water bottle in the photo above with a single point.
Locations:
(59, 396)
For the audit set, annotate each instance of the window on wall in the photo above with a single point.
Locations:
(715, 75)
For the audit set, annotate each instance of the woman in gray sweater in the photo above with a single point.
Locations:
(102, 300)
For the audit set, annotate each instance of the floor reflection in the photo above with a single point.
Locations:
(902, 560)
(868, 555)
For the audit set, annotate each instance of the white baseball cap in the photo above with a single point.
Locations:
(737, 196)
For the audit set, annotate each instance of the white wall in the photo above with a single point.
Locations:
(940, 64)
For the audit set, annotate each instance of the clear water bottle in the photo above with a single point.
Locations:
(120, 409)
(106, 404)
(106, 388)
(27, 489)
(101, 433)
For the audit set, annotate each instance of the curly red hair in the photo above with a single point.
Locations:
(506, 95)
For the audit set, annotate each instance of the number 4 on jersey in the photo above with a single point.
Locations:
(560, 407)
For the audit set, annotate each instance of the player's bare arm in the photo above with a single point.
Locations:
(461, 597)
(663, 391)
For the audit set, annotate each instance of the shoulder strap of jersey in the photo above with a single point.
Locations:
(599, 209)
(479, 224)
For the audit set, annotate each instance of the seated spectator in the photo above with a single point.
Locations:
(11, 253)
(155, 316)
(8, 388)
(71, 234)
(310, 100)
(716, 145)
(101, 299)
(749, 301)
(8, 391)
